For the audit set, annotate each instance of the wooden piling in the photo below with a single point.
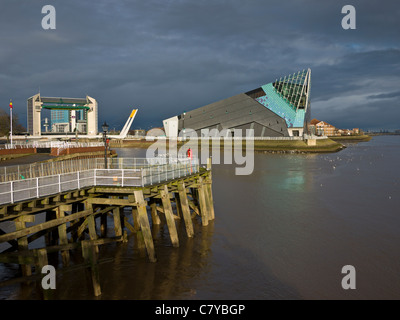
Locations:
(185, 208)
(117, 222)
(41, 261)
(62, 232)
(90, 256)
(210, 200)
(145, 225)
(154, 215)
(169, 216)
(203, 203)
(135, 216)
(193, 192)
(103, 225)
(23, 241)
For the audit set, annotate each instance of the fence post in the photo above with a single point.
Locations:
(141, 172)
(122, 179)
(151, 176)
(78, 177)
(37, 187)
(59, 183)
(95, 173)
(12, 192)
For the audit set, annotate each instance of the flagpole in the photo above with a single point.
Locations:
(11, 122)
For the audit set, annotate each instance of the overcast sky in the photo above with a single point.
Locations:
(165, 57)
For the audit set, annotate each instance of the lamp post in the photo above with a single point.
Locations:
(183, 125)
(105, 129)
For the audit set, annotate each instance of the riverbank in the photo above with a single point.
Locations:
(298, 146)
(286, 146)
(360, 138)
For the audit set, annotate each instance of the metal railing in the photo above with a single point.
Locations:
(40, 169)
(122, 173)
(50, 144)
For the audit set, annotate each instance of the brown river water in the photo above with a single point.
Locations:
(283, 232)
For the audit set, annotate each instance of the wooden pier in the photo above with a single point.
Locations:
(76, 218)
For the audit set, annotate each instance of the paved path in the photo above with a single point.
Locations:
(26, 159)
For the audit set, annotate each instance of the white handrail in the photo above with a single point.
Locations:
(18, 190)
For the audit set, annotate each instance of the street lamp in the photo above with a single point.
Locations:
(105, 129)
(183, 124)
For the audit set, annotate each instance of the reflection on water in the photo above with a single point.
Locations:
(283, 232)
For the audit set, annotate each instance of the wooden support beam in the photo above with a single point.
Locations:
(92, 227)
(154, 215)
(82, 228)
(41, 261)
(160, 209)
(13, 243)
(203, 203)
(136, 221)
(117, 222)
(23, 241)
(169, 216)
(178, 205)
(45, 225)
(128, 225)
(62, 232)
(112, 201)
(91, 222)
(193, 206)
(210, 200)
(145, 225)
(103, 225)
(185, 209)
(92, 271)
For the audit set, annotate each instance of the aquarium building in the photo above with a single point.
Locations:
(277, 109)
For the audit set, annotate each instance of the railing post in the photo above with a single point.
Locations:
(141, 172)
(95, 173)
(122, 179)
(37, 187)
(78, 177)
(59, 183)
(12, 192)
(151, 176)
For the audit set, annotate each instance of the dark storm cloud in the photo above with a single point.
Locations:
(169, 56)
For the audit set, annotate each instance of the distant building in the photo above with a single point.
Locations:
(139, 132)
(59, 120)
(322, 128)
(67, 114)
(278, 109)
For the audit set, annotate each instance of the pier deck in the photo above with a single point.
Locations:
(76, 205)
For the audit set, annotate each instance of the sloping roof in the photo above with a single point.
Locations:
(314, 121)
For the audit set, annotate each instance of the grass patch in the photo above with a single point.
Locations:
(322, 145)
(360, 138)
